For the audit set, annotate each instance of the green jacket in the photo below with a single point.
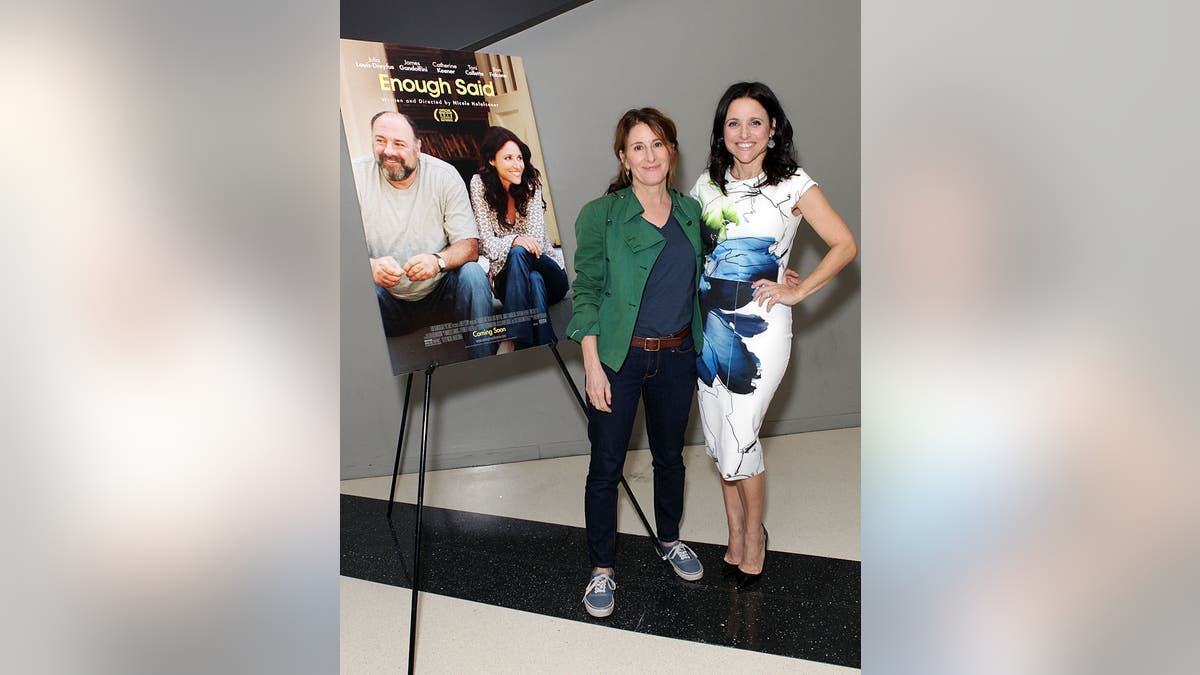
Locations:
(615, 249)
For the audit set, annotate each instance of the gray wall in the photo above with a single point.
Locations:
(585, 68)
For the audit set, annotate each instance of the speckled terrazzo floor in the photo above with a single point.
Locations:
(504, 560)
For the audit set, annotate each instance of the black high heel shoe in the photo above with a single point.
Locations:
(746, 580)
(728, 569)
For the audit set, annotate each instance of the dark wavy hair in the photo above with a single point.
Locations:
(493, 190)
(660, 124)
(779, 162)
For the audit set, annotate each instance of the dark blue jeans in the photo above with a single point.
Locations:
(530, 282)
(463, 293)
(666, 381)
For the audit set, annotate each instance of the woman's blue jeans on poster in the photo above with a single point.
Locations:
(666, 381)
(530, 282)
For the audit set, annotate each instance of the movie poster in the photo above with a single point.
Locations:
(445, 153)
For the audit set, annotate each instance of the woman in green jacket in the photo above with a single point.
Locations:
(636, 316)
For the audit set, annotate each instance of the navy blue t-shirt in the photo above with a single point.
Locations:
(671, 289)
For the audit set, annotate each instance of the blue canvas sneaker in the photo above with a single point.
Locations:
(684, 561)
(598, 598)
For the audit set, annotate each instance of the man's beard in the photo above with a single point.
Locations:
(393, 173)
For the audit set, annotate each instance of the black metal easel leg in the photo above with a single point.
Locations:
(629, 492)
(416, 576)
(399, 445)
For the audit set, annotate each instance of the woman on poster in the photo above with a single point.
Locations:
(637, 319)
(526, 270)
(753, 196)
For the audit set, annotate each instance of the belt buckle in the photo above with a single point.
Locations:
(657, 344)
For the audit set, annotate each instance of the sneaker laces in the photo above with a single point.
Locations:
(598, 582)
(679, 550)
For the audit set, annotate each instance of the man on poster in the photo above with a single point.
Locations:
(421, 235)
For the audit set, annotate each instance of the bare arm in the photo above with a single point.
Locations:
(460, 227)
(460, 253)
(828, 225)
(425, 265)
(458, 223)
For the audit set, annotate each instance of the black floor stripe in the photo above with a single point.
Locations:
(806, 607)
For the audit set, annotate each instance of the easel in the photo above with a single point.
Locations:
(416, 570)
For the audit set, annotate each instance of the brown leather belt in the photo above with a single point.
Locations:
(655, 344)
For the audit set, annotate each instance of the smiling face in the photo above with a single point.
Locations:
(748, 127)
(509, 163)
(397, 149)
(647, 156)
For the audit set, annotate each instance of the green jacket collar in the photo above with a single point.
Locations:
(628, 208)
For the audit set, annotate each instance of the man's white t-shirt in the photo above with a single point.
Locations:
(426, 217)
